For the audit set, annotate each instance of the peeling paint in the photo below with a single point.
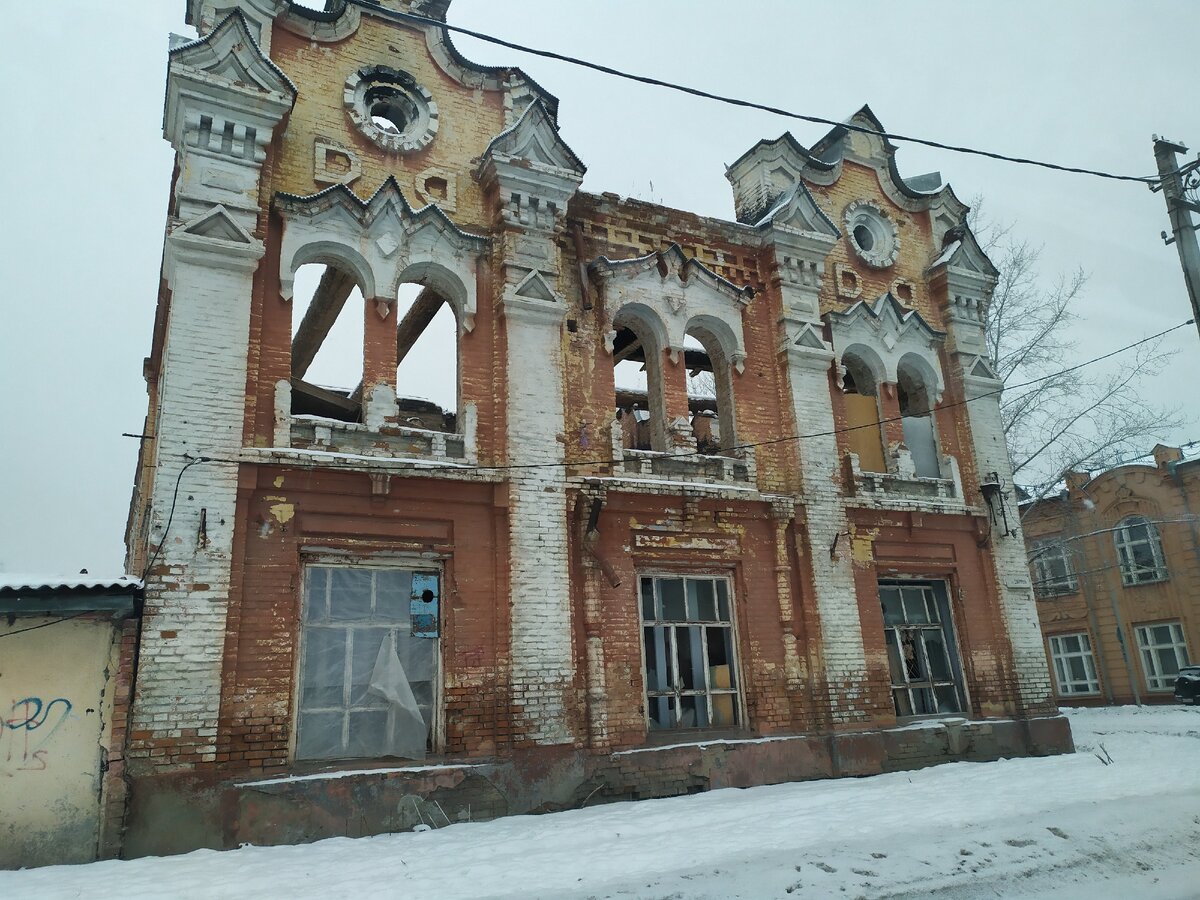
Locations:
(283, 512)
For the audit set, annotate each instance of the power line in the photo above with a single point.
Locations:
(748, 104)
(45, 624)
(747, 446)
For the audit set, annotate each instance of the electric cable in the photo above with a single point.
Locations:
(1150, 180)
(171, 514)
(46, 624)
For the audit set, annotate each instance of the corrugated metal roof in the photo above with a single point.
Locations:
(14, 582)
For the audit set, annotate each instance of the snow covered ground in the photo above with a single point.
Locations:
(1063, 827)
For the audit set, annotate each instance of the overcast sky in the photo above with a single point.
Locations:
(86, 177)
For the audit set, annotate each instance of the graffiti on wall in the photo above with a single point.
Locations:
(26, 730)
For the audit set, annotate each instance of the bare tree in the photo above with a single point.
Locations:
(1081, 420)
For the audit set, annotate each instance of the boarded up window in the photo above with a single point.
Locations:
(369, 662)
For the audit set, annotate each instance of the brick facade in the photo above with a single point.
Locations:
(537, 520)
(1097, 595)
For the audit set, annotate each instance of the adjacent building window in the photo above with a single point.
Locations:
(1053, 573)
(1139, 551)
(926, 674)
(1164, 653)
(691, 670)
(368, 664)
(1074, 668)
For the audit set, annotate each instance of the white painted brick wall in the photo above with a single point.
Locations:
(201, 414)
(542, 660)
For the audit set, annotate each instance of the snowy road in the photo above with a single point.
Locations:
(1064, 827)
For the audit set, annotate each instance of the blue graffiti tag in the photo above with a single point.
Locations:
(41, 713)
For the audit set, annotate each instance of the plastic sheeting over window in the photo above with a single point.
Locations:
(366, 673)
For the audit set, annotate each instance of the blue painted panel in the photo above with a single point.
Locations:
(424, 604)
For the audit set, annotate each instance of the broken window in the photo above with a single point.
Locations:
(710, 390)
(369, 662)
(327, 344)
(637, 378)
(426, 360)
(1164, 653)
(1053, 573)
(864, 434)
(1139, 551)
(922, 657)
(1074, 668)
(916, 417)
(691, 670)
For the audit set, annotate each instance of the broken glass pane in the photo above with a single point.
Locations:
(914, 606)
(673, 607)
(935, 649)
(722, 600)
(720, 658)
(648, 614)
(947, 698)
(693, 712)
(922, 700)
(701, 600)
(893, 611)
(690, 656)
(724, 710)
(903, 704)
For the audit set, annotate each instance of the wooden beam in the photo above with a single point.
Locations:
(415, 321)
(326, 305)
(309, 399)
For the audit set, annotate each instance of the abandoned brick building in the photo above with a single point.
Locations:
(748, 561)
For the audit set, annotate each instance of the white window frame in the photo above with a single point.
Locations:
(1061, 657)
(1053, 568)
(937, 593)
(709, 691)
(1149, 647)
(1127, 540)
(323, 558)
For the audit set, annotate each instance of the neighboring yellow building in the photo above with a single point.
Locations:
(1115, 561)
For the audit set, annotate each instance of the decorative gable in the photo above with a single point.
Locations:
(884, 333)
(383, 242)
(535, 139)
(231, 53)
(678, 292)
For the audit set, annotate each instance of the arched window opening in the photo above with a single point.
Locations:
(637, 379)
(710, 391)
(327, 344)
(916, 416)
(1139, 551)
(427, 363)
(864, 436)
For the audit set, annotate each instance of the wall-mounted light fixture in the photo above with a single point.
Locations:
(994, 496)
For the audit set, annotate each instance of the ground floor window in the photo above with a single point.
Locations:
(368, 662)
(924, 663)
(1074, 668)
(691, 672)
(1164, 653)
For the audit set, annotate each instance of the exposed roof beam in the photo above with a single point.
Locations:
(326, 304)
(416, 320)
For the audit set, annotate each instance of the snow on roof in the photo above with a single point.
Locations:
(947, 254)
(12, 581)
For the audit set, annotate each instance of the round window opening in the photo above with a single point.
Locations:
(391, 109)
(864, 238)
(873, 235)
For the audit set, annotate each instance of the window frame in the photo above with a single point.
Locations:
(1047, 583)
(741, 724)
(942, 597)
(1060, 660)
(1125, 544)
(334, 558)
(1149, 662)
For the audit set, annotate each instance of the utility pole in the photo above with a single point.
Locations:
(1181, 190)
